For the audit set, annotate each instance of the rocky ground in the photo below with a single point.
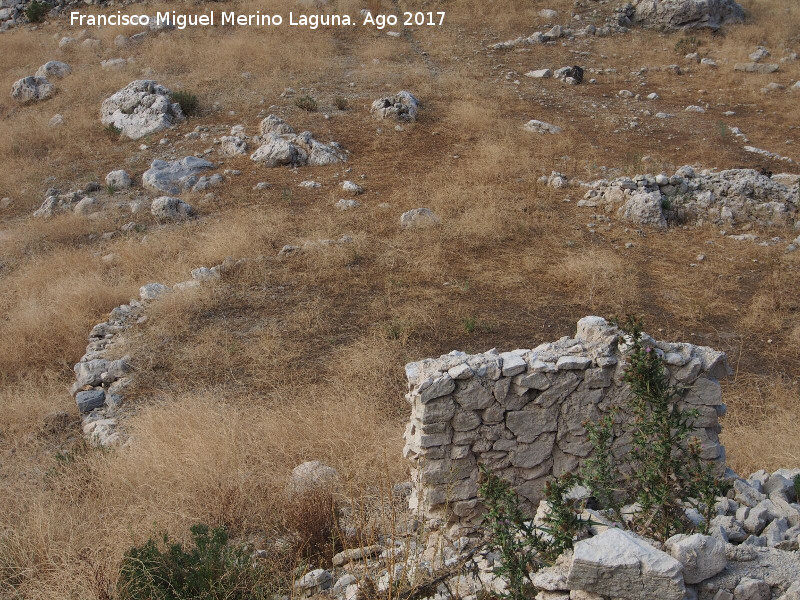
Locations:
(258, 228)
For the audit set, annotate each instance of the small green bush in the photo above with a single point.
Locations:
(189, 102)
(523, 546)
(340, 102)
(36, 11)
(210, 570)
(307, 103)
(112, 131)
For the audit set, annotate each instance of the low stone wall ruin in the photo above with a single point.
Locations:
(521, 414)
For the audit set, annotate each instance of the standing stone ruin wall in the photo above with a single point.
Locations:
(522, 414)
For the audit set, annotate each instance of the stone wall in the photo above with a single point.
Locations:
(521, 414)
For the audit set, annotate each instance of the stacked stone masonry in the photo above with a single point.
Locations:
(522, 414)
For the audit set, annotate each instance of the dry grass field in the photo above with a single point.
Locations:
(301, 357)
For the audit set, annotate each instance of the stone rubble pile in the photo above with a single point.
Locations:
(281, 146)
(727, 197)
(521, 414)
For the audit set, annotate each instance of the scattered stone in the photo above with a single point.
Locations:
(540, 74)
(279, 149)
(352, 188)
(56, 121)
(702, 556)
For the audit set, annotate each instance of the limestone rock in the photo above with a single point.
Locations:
(752, 589)
(118, 179)
(54, 69)
(174, 177)
(418, 218)
(276, 125)
(90, 399)
(753, 67)
(312, 476)
(702, 556)
(644, 208)
(151, 291)
(535, 126)
(403, 106)
(687, 14)
(141, 108)
(167, 208)
(618, 564)
(32, 89)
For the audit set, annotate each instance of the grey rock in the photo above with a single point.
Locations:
(644, 208)
(312, 476)
(32, 89)
(88, 400)
(176, 176)
(54, 69)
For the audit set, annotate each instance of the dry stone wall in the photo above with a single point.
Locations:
(521, 414)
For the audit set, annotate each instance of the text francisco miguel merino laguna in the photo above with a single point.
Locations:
(257, 19)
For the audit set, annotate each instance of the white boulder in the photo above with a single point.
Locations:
(140, 108)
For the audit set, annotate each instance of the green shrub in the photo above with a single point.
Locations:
(210, 570)
(307, 103)
(112, 131)
(796, 482)
(524, 547)
(36, 11)
(600, 472)
(666, 464)
(340, 102)
(188, 102)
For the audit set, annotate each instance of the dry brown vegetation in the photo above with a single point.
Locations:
(300, 358)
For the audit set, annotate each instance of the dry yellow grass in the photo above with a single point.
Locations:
(301, 358)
